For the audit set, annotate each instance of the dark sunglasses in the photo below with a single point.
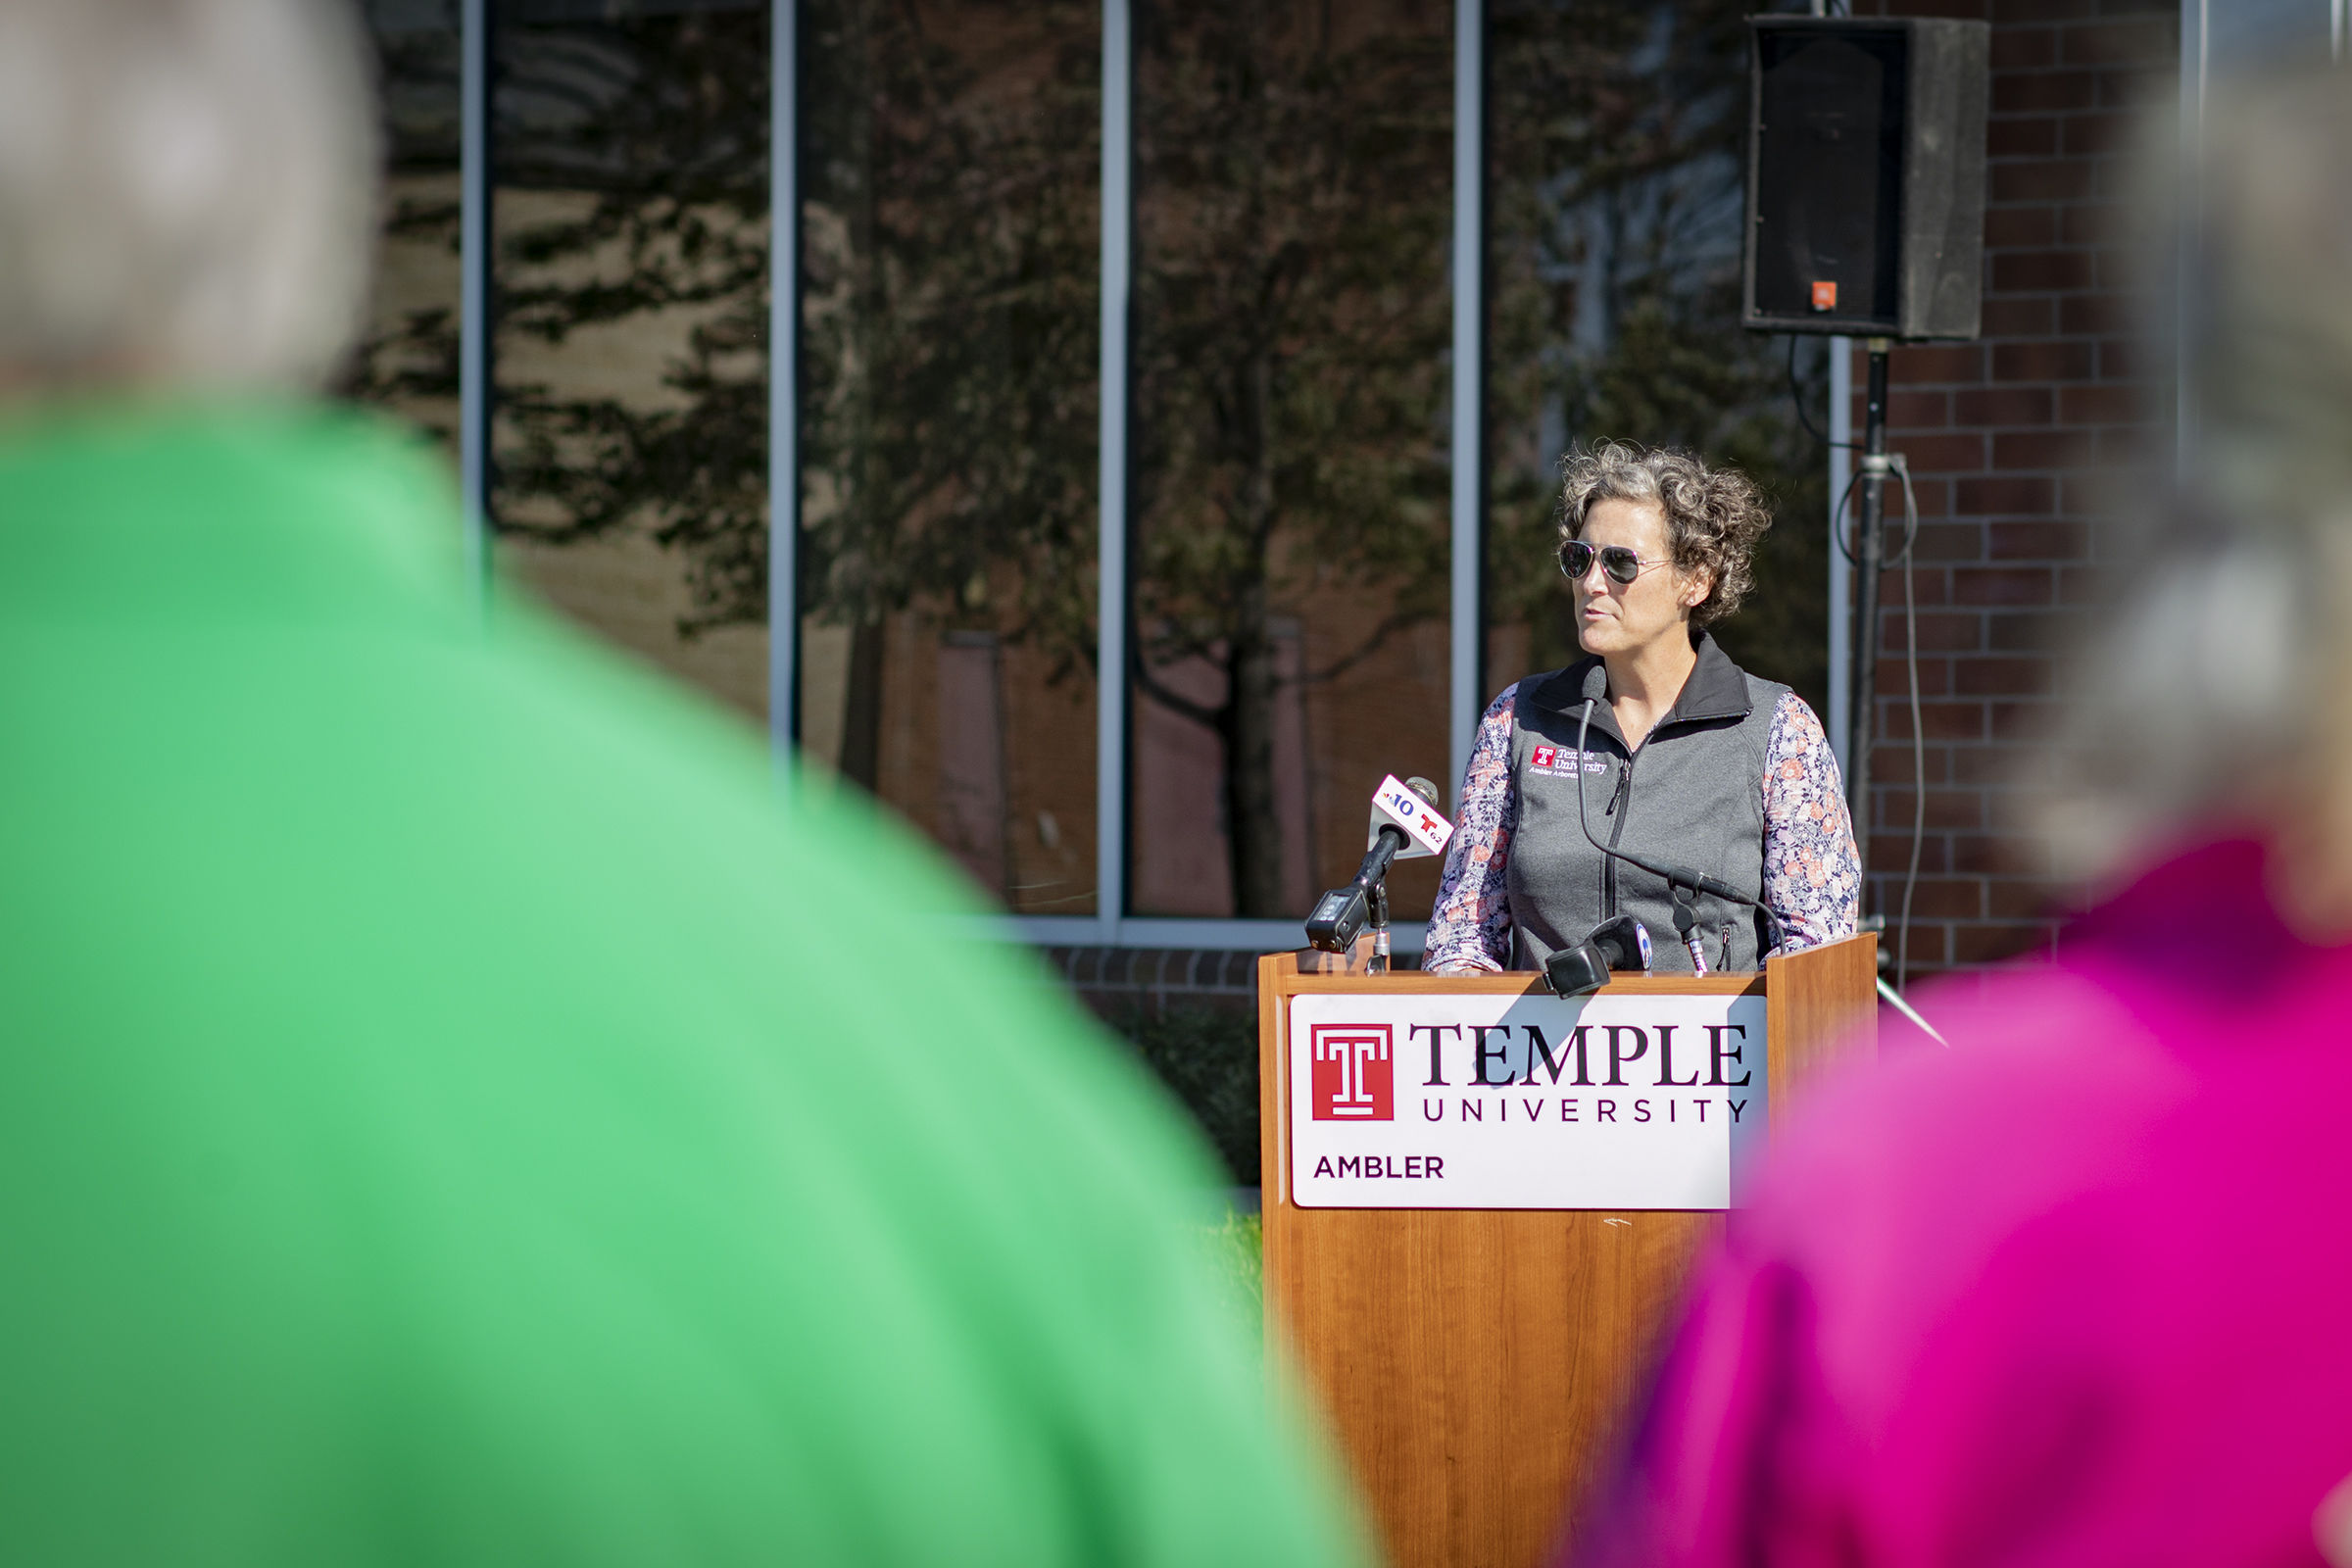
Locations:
(1618, 560)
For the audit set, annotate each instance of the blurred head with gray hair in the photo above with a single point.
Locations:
(186, 189)
(2215, 689)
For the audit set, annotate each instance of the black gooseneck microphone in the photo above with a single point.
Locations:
(1678, 877)
(1341, 915)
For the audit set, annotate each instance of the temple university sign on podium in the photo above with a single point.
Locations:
(1522, 1101)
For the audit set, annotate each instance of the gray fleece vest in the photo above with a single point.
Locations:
(1692, 795)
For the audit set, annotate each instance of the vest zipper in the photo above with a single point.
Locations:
(1620, 796)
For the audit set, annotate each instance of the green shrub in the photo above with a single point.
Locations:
(1208, 1058)
(1237, 1256)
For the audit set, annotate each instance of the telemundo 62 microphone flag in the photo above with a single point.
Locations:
(1397, 803)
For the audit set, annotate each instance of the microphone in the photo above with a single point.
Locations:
(1623, 942)
(1411, 806)
(1406, 825)
(1613, 945)
(1677, 878)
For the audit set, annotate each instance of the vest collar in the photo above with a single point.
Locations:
(1716, 690)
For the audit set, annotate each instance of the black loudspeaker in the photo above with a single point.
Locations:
(1866, 176)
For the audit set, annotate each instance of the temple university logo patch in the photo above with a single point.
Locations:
(1560, 762)
(1354, 1073)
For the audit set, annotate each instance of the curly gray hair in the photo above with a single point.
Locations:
(1714, 516)
(187, 190)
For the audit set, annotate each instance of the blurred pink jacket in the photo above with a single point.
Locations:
(2078, 1293)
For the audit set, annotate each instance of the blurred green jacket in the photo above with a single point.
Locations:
(460, 1108)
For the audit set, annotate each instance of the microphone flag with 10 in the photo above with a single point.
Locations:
(1410, 805)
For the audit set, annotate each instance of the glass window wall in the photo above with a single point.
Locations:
(1288, 359)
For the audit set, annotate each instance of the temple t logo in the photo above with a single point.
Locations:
(1354, 1073)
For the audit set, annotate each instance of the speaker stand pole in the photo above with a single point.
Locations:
(1865, 643)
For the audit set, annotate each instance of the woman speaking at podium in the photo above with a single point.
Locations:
(1686, 759)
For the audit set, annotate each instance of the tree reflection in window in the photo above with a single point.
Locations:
(1294, 177)
(406, 363)
(630, 155)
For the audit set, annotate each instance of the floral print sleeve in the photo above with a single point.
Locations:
(1470, 927)
(1812, 871)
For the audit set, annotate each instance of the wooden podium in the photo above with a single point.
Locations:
(1474, 1364)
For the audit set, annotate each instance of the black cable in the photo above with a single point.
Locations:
(1675, 875)
(1797, 398)
(1838, 519)
(1919, 749)
(1919, 742)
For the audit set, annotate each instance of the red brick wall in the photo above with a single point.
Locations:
(2006, 438)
